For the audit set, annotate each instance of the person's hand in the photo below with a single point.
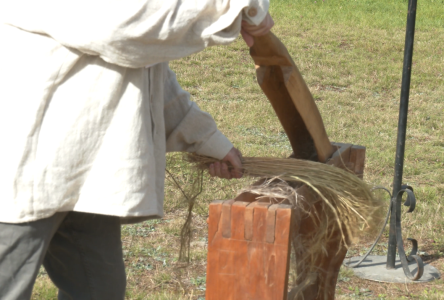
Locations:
(248, 31)
(220, 169)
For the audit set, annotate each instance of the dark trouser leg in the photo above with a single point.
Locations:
(22, 249)
(85, 259)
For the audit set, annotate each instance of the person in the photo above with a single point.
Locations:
(88, 110)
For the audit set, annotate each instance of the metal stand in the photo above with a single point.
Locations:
(371, 267)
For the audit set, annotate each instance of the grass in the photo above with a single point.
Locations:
(350, 54)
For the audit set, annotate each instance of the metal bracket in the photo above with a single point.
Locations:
(396, 203)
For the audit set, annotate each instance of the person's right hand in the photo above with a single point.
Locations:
(248, 31)
(220, 169)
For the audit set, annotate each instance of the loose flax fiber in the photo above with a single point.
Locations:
(347, 202)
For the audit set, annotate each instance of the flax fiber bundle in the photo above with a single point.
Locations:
(346, 202)
(349, 199)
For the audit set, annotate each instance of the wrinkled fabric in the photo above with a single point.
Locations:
(134, 33)
(84, 124)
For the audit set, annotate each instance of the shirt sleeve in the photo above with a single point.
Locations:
(187, 127)
(134, 33)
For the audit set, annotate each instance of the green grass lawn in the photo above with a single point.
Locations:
(350, 54)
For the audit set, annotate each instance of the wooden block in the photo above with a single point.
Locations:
(271, 224)
(238, 220)
(341, 156)
(215, 210)
(259, 220)
(350, 157)
(226, 218)
(359, 160)
(248, 216)
(282, 231)
(352, 163)
(255, 268)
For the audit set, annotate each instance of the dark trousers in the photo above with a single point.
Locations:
(82, 254)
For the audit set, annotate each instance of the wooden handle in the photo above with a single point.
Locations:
(291, 99)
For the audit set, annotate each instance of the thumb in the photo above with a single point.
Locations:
(249, 40)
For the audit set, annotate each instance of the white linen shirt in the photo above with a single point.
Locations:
(84, 125)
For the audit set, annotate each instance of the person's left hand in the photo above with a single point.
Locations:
(249, 31)
(220, 169)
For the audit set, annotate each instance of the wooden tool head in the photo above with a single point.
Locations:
(291, 99)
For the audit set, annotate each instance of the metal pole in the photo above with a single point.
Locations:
(402, 128)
